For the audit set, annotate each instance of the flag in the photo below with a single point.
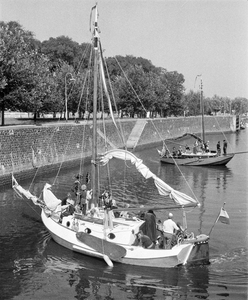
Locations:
(223, 216)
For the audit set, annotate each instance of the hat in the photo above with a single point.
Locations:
(70, 201)
(83, 187)
(170, 215)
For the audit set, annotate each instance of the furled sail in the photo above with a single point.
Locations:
(163, 188)
(20, 191)
(51, 201)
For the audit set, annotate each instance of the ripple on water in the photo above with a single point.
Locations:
(230, 268)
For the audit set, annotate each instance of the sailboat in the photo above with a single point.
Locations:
(101, 234)
(200, 155)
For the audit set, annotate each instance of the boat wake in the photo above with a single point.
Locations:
(230, 267)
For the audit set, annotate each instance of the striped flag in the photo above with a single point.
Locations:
(223, 217)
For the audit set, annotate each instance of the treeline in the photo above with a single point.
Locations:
(41, 77)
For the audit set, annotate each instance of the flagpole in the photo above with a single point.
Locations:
(216, 220)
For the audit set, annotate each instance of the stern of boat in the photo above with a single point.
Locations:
(200, 252)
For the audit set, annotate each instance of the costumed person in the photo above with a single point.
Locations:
(145, 241)
(108, 213)
(82, 198)
(224, 146)
(169, 229)
(149, 228)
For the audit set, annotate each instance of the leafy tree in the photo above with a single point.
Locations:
(240, 105)
(16, 46)
(64, 49)
(174, 86)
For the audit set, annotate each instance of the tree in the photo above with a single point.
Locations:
(240, 105)
(64, 49)
(16, 47)
(174, 89)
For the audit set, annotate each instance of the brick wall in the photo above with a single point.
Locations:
(23, 149)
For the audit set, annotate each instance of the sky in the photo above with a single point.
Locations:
(192, 37)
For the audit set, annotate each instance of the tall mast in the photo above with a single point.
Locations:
(94, 140)
(202, 111)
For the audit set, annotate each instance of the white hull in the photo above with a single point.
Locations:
(135, 255)
(198, 160)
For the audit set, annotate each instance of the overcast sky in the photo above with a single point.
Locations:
(190, 37)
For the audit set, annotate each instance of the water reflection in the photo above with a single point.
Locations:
(88, 278)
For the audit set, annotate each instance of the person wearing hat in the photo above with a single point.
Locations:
(169, 229)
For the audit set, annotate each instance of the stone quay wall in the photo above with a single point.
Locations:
(28, 149)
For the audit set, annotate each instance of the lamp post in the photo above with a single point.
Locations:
(66, 99)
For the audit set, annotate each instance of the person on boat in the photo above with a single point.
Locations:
(207, 147)
(203, 149)
(76, 185)
(88, 198)
(162, 153)
(174, 152)
(224, 146)
(69, 210)
(82, 201)
(179, 152)
(108, 213)
(187, 148)
(195, 147)
(93, 212)
(63, 201)
(145, 241)
(169, 230)
(160, 235)
(149, 227)
(218, 148)
(125, 214)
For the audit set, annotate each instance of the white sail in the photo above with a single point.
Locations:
(163, 188)
(51, 201)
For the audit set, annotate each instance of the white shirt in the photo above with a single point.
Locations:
(169, 226)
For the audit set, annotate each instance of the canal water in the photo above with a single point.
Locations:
(32, 266)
